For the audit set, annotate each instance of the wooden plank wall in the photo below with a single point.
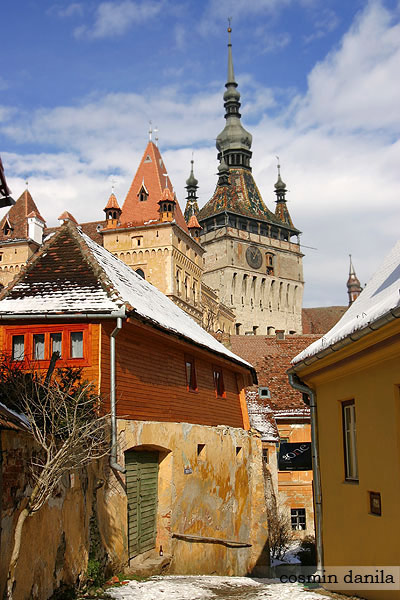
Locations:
(151, 379)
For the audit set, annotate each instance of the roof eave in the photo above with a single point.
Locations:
(354, 336)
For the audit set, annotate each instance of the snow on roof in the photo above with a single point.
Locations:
(64, 278)
(10, 419)
(261, 417)
(380, 296)
(153, 305)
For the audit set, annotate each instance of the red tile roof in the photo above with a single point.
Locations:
(66, 216)
(271, 358)
(17, 218)
(322, 319)
(193, 223)
(112, 202)
(92, 229)
(151, 173)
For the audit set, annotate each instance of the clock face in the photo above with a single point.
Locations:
(254, 257)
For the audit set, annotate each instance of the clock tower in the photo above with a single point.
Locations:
(253, 255)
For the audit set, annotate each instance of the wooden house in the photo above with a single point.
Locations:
(184, 485)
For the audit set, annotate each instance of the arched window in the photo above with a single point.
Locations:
(141, 273)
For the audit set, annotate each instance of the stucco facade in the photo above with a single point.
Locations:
(264, 299)
(211, 516)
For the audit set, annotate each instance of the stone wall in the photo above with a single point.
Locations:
(55, 540)
(211, 515)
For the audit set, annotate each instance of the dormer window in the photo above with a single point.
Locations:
(143, 193)
(7, 229)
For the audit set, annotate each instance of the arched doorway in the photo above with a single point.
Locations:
(142, 491)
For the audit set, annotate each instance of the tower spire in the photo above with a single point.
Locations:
(231, 73)
(192, 208)
(354, 288)
(281, 210)
(234, 142)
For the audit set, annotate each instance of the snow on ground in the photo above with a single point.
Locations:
(180, 587)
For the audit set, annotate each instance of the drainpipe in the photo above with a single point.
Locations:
(113, 456)
(299, 385)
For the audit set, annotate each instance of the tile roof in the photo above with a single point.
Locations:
(193, 223)
(92, 229)
(17, 217)
(151, 172)
(112, 202)
(9, 419)
(261, 417)
(241, 197)
(380, 299)
(321, 319)
(271, 358)
(66, 216)
(71, 274)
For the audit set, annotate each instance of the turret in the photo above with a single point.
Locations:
(113, 211)
(281, 210)
(234, 142)
(167, 205)
(192, 208)
(354, 288)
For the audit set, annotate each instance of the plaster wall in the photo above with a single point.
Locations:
(370, 376)
(295, 488)
(216, 493)
(55, 540)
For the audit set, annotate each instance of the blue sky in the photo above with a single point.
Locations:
(319, 83)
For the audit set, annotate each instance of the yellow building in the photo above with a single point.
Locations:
(352, 378)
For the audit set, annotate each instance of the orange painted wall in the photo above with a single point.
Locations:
(90, 361)
(295, 488)
(151, 379)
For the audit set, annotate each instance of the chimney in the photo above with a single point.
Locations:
(35, 228)
(280, 334)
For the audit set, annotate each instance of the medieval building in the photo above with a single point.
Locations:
(234, 265)
(253, 255)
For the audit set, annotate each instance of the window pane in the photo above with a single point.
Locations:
(18, 347)
(77, 344)
(38, 346)
(56, 343)
(350, 441)
(189, 374)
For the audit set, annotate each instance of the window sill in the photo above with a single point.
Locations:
(351, 481)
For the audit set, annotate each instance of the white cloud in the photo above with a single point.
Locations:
(71, 10)
(116, 18)
(356, 86)
(325, 23)
(338, 145)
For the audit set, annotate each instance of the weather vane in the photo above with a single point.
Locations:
(156, 134)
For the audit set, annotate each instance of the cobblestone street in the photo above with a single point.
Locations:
(215, 588)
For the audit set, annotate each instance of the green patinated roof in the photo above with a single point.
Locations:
(242, 197)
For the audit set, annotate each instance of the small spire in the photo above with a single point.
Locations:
(192, 208)
(150, 131)
(280, 185)
(354, 288)
(352, 272)
(27, 184)
(166, 179)
(156, 135)
(231, 74)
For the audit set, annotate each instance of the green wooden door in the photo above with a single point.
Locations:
(141, 490)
